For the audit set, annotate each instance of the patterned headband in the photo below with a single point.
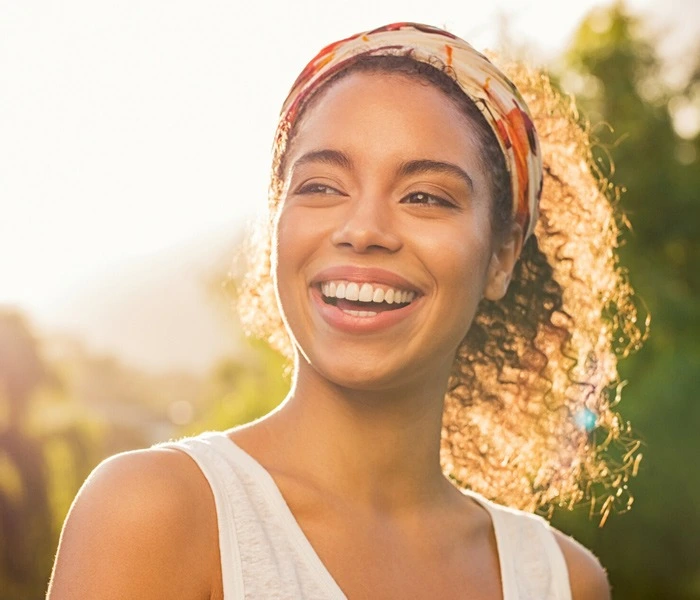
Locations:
(494, 94)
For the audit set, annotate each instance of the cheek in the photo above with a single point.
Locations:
(461, 255)
(283, 245)
(294, 244)
(287, 232)
(461, 274)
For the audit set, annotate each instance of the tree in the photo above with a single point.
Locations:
(25, 513)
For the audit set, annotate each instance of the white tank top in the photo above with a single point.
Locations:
(266, 556)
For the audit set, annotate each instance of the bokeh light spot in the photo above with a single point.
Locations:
(586, 419)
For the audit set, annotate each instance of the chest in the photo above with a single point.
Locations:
(376, 561)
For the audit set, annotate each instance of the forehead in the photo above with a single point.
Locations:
(410, 115)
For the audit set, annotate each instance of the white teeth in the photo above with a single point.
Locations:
(365, 292)
(361, 313)
(352, 292)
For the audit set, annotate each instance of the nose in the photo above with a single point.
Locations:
(367, 227)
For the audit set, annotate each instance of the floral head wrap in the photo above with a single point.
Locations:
(494, 94)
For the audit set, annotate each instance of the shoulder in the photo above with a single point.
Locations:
(142, 521)
(130, 485)
(586, 575)
(135, 487)
(587, 578)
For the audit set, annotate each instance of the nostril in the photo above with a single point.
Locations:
(366, 241)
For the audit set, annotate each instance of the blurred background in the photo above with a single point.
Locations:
(134, 147)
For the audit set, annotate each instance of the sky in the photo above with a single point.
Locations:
(130, 128)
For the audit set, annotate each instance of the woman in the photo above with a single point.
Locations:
(433, 317)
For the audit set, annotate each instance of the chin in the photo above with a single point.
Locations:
(365, 374)
(360, 375)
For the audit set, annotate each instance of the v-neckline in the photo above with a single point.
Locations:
(296, 535)
(307, 551)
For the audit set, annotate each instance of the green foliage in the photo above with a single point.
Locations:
(41, 462)
(240, 392)
(651, 551)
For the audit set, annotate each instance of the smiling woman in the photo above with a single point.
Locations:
(450, 314)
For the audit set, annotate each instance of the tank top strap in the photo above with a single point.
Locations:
(532, 564)
(202, 450)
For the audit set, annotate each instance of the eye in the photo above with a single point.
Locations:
(426, 199)
(317, 188)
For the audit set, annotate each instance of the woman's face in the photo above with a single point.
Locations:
(384, 244)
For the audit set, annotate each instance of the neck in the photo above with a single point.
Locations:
(378, 448)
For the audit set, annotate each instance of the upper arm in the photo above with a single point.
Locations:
(586, 575)
(137, 529)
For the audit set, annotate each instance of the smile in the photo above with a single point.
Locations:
(364, 299)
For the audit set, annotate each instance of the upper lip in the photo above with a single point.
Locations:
(364, 275)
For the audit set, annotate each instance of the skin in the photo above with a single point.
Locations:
(355, 447)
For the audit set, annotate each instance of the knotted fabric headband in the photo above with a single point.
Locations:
(494, 94)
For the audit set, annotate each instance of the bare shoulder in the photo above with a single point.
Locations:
(587, 576)
(142, 526)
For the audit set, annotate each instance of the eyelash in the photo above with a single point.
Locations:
(423, 197)
(433, 200)
(317, 188)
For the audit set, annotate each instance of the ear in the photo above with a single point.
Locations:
(505, 254)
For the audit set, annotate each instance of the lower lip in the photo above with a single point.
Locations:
(348, 323)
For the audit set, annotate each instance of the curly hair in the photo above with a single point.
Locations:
(528, 417)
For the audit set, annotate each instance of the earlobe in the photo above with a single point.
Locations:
(502, 264)
(497, 286)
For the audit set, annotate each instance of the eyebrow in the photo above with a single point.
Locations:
(334, 158)
(417, 167)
